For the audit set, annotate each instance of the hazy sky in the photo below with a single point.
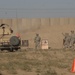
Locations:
(37, 8)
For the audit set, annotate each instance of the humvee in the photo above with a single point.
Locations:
(7, 40)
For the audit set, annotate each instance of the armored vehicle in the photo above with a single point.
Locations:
(8, 41)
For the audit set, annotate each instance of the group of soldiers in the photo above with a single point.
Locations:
(69, 40)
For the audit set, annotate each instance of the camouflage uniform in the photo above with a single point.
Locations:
(72, 39)
(37, 41)
(66, 40)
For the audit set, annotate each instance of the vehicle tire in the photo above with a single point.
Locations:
(14, 41)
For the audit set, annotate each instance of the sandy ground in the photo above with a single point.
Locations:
(37, 62)
(52, 33)
(55, 61)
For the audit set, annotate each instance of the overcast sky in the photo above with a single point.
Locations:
(37, 8)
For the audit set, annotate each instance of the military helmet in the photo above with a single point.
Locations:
(72, 31)
(37, 34)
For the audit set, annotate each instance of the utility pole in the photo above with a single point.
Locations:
(17, 20)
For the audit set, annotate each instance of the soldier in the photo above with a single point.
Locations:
(72, 39)
(37, 41)
(66, 40)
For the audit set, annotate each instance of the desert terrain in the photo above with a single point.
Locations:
(37, 62)
(54, 61)
(48, 28)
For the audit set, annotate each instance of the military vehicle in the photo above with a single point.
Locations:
(7, 40)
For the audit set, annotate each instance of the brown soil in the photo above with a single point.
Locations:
(37, 62)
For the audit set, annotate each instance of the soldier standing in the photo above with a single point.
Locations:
(66, 40)
(37, 41)
(72, 39)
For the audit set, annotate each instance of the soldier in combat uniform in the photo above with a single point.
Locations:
(72, 39)
(66, 40)
(37, 41)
